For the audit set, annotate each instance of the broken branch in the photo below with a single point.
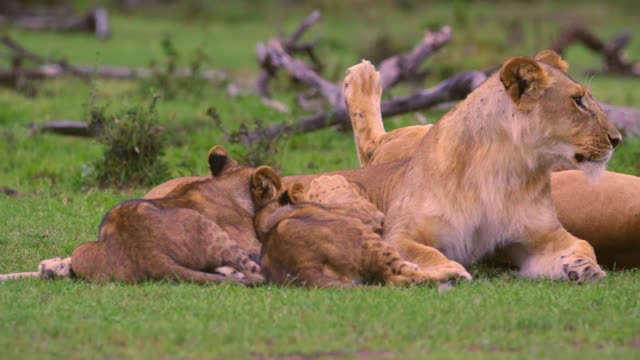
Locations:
(405, 66)
(615, 62)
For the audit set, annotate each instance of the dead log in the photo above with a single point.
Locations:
(392, 70)
(306, 75)
(454, 88)
(615, 61)
(292, 45)
(63, 127)
(53, 68)
(95, 21)
(405, 66)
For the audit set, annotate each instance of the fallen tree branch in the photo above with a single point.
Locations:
(53, 68)
(95, 21)
(405, 66)
(615, 62)
(63, 127)
(269, 65)
(392, 70)
(306, 75)
(454, 88)
(109, 72)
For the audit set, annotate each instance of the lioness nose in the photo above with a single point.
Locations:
(615, 140)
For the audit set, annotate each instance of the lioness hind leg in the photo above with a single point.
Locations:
(363, 90)
(559, 255)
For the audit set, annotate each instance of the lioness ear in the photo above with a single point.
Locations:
(523, 76)
(265, 183)
(219, 161)
(552, 58)
(293, 195)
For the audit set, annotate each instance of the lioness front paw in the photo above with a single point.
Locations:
(446, 272)
(581, 269)
(56, 267)
(362, 84)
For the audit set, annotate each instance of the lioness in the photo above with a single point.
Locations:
(311, 244)
(480, 178)
(186, 235)
(606, 213)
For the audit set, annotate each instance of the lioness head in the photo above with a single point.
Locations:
(575, 130)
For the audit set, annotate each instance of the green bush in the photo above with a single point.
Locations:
(134, 145)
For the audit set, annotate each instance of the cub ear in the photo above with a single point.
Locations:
(265, 183)
(552, 58)
(523, 76)
(293, 195)
(219, 161)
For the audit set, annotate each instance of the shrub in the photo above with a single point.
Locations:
(134, 145)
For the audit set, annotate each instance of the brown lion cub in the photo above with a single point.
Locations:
(185, 235)
(311, 244)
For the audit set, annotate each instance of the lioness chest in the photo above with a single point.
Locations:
(468, 234)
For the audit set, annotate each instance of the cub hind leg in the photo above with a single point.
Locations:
(48, 269)
(382, 261)
(225, 252)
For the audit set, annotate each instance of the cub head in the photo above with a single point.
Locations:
(220, 162)
(568, 124)
(272, 199)
(267, 187)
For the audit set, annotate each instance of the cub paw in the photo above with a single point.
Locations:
(56, 267)
(228, 271)
(362, 84)
(581, 269)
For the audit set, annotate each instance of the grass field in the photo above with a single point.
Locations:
(497, 315)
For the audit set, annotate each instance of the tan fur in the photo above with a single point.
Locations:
(604, 212)
(480, 178)
(329, 244)
(196, 228)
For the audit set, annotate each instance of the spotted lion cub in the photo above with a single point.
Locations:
(331, 242)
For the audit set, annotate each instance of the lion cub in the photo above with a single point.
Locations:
(317, 244)
(187, 235)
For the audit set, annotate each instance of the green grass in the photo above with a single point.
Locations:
(496, 315)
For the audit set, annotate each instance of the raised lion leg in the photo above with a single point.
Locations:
(557, 254)
(363, 91)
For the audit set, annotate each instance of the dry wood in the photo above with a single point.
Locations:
(454, 88)
(52, 68)
(269, 66)
(615, 62)
(95, 21)
(405, 66)
(64, 127)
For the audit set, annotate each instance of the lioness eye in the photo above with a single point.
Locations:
(578, 101)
